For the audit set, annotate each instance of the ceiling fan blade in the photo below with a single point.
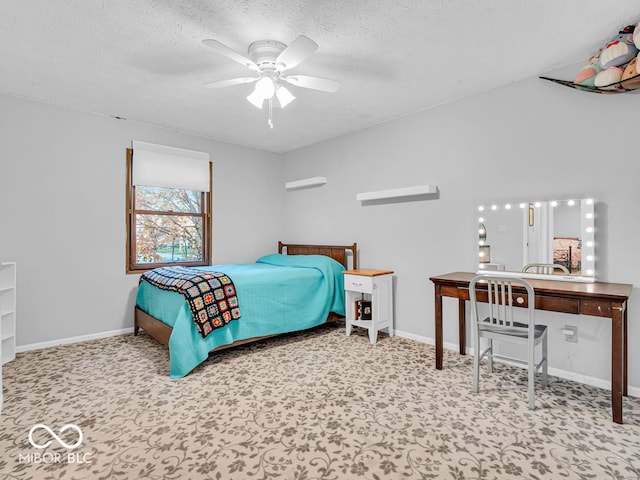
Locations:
(231, 82)
(314, 83)
(297, 51)
(232, 54)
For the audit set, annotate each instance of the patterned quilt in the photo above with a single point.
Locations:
(210, 295)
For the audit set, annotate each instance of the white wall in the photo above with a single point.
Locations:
(529, 140)
(62, 213)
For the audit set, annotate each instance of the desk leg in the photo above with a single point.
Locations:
(617, 360)
(626, 350)
(438, 320)
(461, 327)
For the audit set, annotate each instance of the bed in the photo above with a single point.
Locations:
(298, 288)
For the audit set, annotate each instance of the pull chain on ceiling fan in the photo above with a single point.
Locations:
(270, 60)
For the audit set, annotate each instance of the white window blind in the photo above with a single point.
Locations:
(169, 167)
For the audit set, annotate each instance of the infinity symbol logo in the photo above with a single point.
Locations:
(56, 437)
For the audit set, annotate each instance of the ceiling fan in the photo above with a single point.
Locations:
(270, 60)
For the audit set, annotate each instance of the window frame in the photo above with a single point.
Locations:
(131, 212)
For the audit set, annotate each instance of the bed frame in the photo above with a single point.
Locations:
(161, 331)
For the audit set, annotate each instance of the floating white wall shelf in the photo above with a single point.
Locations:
(306, 182)
(398, 192)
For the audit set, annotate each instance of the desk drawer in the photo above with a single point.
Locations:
(454, 291)
(596, 308)
(557, 304)
(543, 302)
(358, 283)
(519, 299)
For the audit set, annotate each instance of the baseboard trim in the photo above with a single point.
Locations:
(67, 341)
(556, 372)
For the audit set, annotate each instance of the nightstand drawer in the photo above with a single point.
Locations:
(358, 283)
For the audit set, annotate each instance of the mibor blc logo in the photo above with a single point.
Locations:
(56, 437)
(55, 457)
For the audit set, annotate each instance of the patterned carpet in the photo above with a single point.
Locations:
(314, 405)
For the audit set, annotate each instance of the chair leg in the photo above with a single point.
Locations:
(476, 364)
(545, 374)
(490, 355)
(531, 377)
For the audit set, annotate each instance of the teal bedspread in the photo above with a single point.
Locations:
(277, 294)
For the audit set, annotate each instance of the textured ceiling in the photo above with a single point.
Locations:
(143, 59)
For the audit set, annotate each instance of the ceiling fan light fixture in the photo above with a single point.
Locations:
(285, 97)
(271, 60)
(256, 99)
(265, 87)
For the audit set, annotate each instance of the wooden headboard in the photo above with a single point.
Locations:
(337, 252)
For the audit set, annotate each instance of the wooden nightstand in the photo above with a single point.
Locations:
(375, 286)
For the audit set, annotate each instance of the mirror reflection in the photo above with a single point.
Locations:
(541, 238)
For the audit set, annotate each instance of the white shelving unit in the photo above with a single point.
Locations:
(1, 389)
(7, 316)
(7, 311)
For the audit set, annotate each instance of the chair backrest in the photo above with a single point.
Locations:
(500, 298)
(546, 268)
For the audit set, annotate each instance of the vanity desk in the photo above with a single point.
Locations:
(598, 299)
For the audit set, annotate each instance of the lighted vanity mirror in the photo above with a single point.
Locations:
(554, 238)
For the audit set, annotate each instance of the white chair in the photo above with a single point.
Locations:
(500, 325)
(546, 268)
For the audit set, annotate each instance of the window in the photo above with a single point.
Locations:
(168, 208)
